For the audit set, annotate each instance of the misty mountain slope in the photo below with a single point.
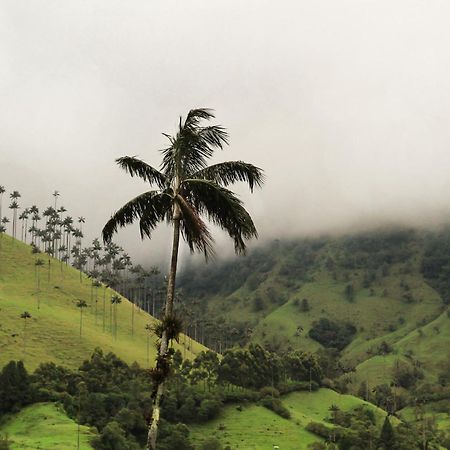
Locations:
(52, 333)
(382, 292)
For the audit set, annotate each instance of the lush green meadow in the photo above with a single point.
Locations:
(255, 427)
(44, 426)
(53, 331)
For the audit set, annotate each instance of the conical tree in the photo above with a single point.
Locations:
(387, 435)
(188, 190)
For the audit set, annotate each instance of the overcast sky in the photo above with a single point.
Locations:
(345, 104)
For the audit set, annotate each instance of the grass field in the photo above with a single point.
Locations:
(44, 426)
(53, 331)
(255, 427)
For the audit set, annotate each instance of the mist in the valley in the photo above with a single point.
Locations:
(345, 105)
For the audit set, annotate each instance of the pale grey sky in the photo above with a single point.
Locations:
(345, 104)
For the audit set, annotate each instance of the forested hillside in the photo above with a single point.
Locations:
(378, 301)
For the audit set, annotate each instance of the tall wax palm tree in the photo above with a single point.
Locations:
(37, 273)
(25, 315)
(5, 221)
(56, 195)
(34, 211)
(96, 284)
(25, 214)
(81, 304)
(115, 300)
(188, 190)
(2, 230)
(81, 220)
(2, 191)
(14, 206)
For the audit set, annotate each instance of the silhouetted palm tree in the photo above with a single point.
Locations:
(56, 195)
(14, 206)
(2, 191)
(115, 300)
(37, 272)
(25, 315)
(81, 220)
(81, 304)
(96, 284)
(2, 230)
(187, 189)
(5, 221)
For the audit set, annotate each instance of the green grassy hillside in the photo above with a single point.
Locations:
(391, 285)
(53, 331)
(44, 426)
(255, 427)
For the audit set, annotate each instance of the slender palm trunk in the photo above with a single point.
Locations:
(24, 338)
(115, 320)
(96, 304)
(111, 318)
(164, 347)
(132, 318)
(148, 349)
(104, 309)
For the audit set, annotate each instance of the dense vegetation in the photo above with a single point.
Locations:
(115, 399)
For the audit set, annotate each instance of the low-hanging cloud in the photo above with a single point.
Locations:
(345, 105)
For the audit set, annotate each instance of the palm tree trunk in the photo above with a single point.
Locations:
(162, 352)
(104, 309)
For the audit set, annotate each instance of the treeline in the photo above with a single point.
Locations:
(116, 398)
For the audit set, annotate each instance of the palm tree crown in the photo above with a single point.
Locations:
(189, 189)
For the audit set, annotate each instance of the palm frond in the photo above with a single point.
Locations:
(195, 115)
(137, 167)
(223, 208)
(194, 230)
(230, 172)
(193, 145)
(149, 207)
(214, 135)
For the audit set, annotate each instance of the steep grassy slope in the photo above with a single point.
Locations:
(53, 331)
(255, 427)
(381, 282)
(43, 426)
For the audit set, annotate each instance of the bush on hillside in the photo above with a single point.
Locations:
(332, 334)
(275, 405)
(15, 387)
(211, 444)
(4, 443)
(269, 391)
